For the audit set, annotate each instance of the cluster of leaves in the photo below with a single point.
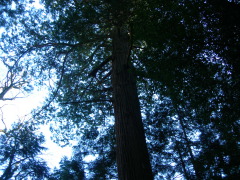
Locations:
(19, 154)
(69, 169)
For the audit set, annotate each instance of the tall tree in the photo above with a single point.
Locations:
(132, 154)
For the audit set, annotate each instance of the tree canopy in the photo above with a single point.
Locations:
(176, 60)
(19, 154)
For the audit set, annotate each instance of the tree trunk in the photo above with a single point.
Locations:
(196, 166)
(182, 161)
(132, 155)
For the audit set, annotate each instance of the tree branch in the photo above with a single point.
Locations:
(59, 84)
(88, 101)
(104, 78)
(95, 70)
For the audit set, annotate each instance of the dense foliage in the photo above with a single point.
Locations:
(19, 154)
(186, 58)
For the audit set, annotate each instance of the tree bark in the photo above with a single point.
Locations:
(132, 154)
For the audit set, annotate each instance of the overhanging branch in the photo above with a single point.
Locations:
(95, 70)
(88, 101)
(104, 78)
(59, 84)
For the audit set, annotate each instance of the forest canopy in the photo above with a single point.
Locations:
(151, 89)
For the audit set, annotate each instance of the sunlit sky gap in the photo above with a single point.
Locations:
(20, 109)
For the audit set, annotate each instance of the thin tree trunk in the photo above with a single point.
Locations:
(132, 155)
(182, 161)
(196, 167)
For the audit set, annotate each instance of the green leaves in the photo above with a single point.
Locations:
(185, 55)
(19, 155)
(69, 169)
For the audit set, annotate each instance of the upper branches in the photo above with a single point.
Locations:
(13, 80)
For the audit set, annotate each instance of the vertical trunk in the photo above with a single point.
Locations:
(182, 161)
(196, 166)
(132, 155)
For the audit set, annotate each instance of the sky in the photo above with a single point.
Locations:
(20, 109)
